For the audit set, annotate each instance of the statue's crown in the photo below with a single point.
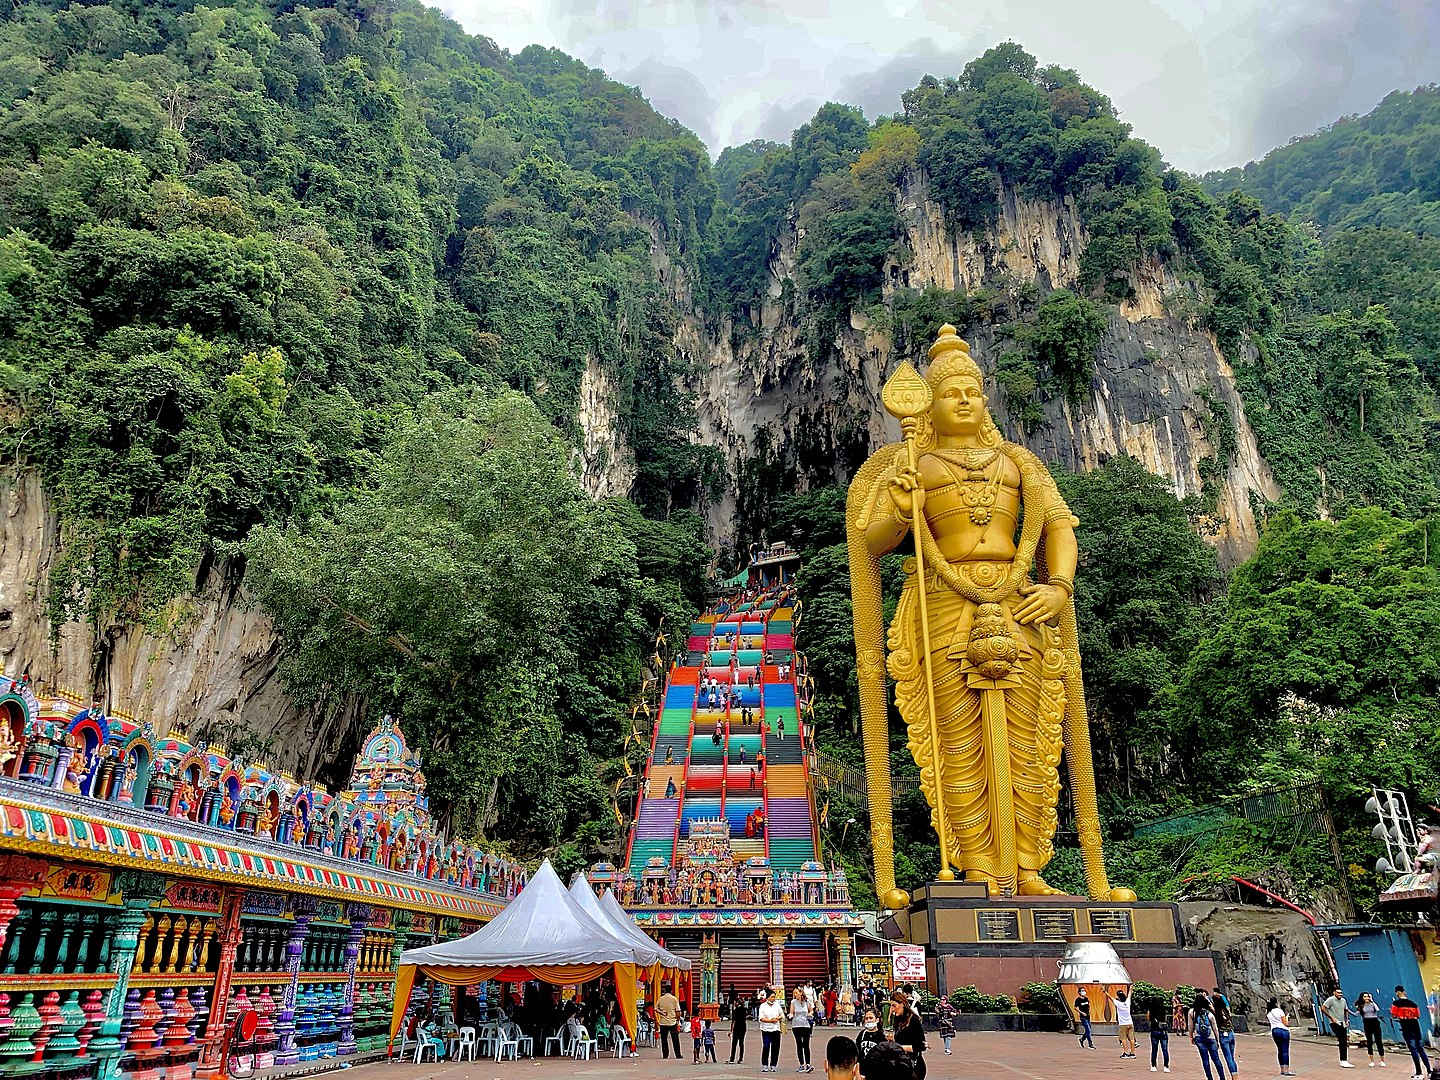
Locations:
(950, 356)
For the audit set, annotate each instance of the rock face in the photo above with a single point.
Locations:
(606, 465)
(215, 669)
(1265, 952)
(1162, 392)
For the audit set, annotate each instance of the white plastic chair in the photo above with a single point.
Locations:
(524, 1044)
(620, 1042)
(426, 1043)
(485, 1039)
(467, 1045)
(506, 1046)
(406, 1043)
(561, 1044)
(585, 1045)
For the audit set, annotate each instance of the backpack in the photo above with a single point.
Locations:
(1223, 1016)
(1204, 1026)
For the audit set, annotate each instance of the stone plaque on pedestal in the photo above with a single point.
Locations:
(1115, 924)
(1053, 925)
(1000, 943)
(999, 924)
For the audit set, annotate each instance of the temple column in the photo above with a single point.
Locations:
(139, 890)
(359, 920)
(776, 940)
(844, 961)
(214, 1046)
(305, 908)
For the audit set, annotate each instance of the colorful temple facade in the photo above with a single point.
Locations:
(723, 862)
(166, 910)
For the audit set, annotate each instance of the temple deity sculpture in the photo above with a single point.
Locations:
(983, 646)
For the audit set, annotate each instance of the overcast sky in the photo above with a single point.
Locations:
(1212, 83)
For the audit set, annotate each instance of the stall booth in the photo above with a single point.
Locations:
(544, 935)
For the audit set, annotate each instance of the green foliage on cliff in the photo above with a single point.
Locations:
(358, 205)
(471, 588)
(252, 250)
(1381, 169)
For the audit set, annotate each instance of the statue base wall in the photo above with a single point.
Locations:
(1000, 944)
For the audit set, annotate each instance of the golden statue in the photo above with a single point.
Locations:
(986, 657)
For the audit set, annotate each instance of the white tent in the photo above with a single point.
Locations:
(623, 928)
(542, 934)
(620, 919)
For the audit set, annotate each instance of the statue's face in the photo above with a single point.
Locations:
(958, 407)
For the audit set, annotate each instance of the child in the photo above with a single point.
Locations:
(709, 1039)
(697, 1030)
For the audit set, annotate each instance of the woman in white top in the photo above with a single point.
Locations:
(800, 1027)
(769, 1017)
(1280, 1032)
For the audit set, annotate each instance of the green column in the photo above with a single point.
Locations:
(139, 890)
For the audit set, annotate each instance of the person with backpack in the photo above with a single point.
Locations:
(1225, 1024)
(1203, 1034)
(1407, 1015)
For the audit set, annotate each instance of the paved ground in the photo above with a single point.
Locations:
(987, 1055)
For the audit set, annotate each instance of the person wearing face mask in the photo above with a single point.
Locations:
(870, 1035)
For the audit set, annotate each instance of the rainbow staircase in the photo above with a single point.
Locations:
(709, 750)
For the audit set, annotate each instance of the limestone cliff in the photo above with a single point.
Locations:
(1162, 392)
(214, 667)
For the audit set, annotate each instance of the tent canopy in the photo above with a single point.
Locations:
(621, 920)
(545, 934)
(542, 925)
(584, 896)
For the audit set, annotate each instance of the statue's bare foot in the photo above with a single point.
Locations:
(992, 887)
(1035, 886)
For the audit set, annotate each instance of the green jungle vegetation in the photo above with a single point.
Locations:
(305, 292)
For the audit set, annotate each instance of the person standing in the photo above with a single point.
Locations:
(1202, 1034)
(1159, 1016)
(909, 1032)
(1407, 1014)
(667, 1016)
(945, 1022)
(1225, 1026)
(1280, 1032)
(871, 1034)
(1124, 1024)
(708, 1038)
(769, 1016)
(1337, 1013)
(739, 1017)
(697, 1032)
(1082, 1009)
(800, 1026)
(1369, 1012)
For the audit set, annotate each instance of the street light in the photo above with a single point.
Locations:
(845, 831)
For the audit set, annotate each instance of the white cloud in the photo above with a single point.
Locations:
(1212, 83)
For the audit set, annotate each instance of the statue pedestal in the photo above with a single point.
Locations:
(1000, 944)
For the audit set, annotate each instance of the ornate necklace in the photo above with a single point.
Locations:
(977, 490)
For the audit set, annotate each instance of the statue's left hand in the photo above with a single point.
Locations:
(1042, 603)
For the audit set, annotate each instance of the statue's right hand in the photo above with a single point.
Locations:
(906, 492)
